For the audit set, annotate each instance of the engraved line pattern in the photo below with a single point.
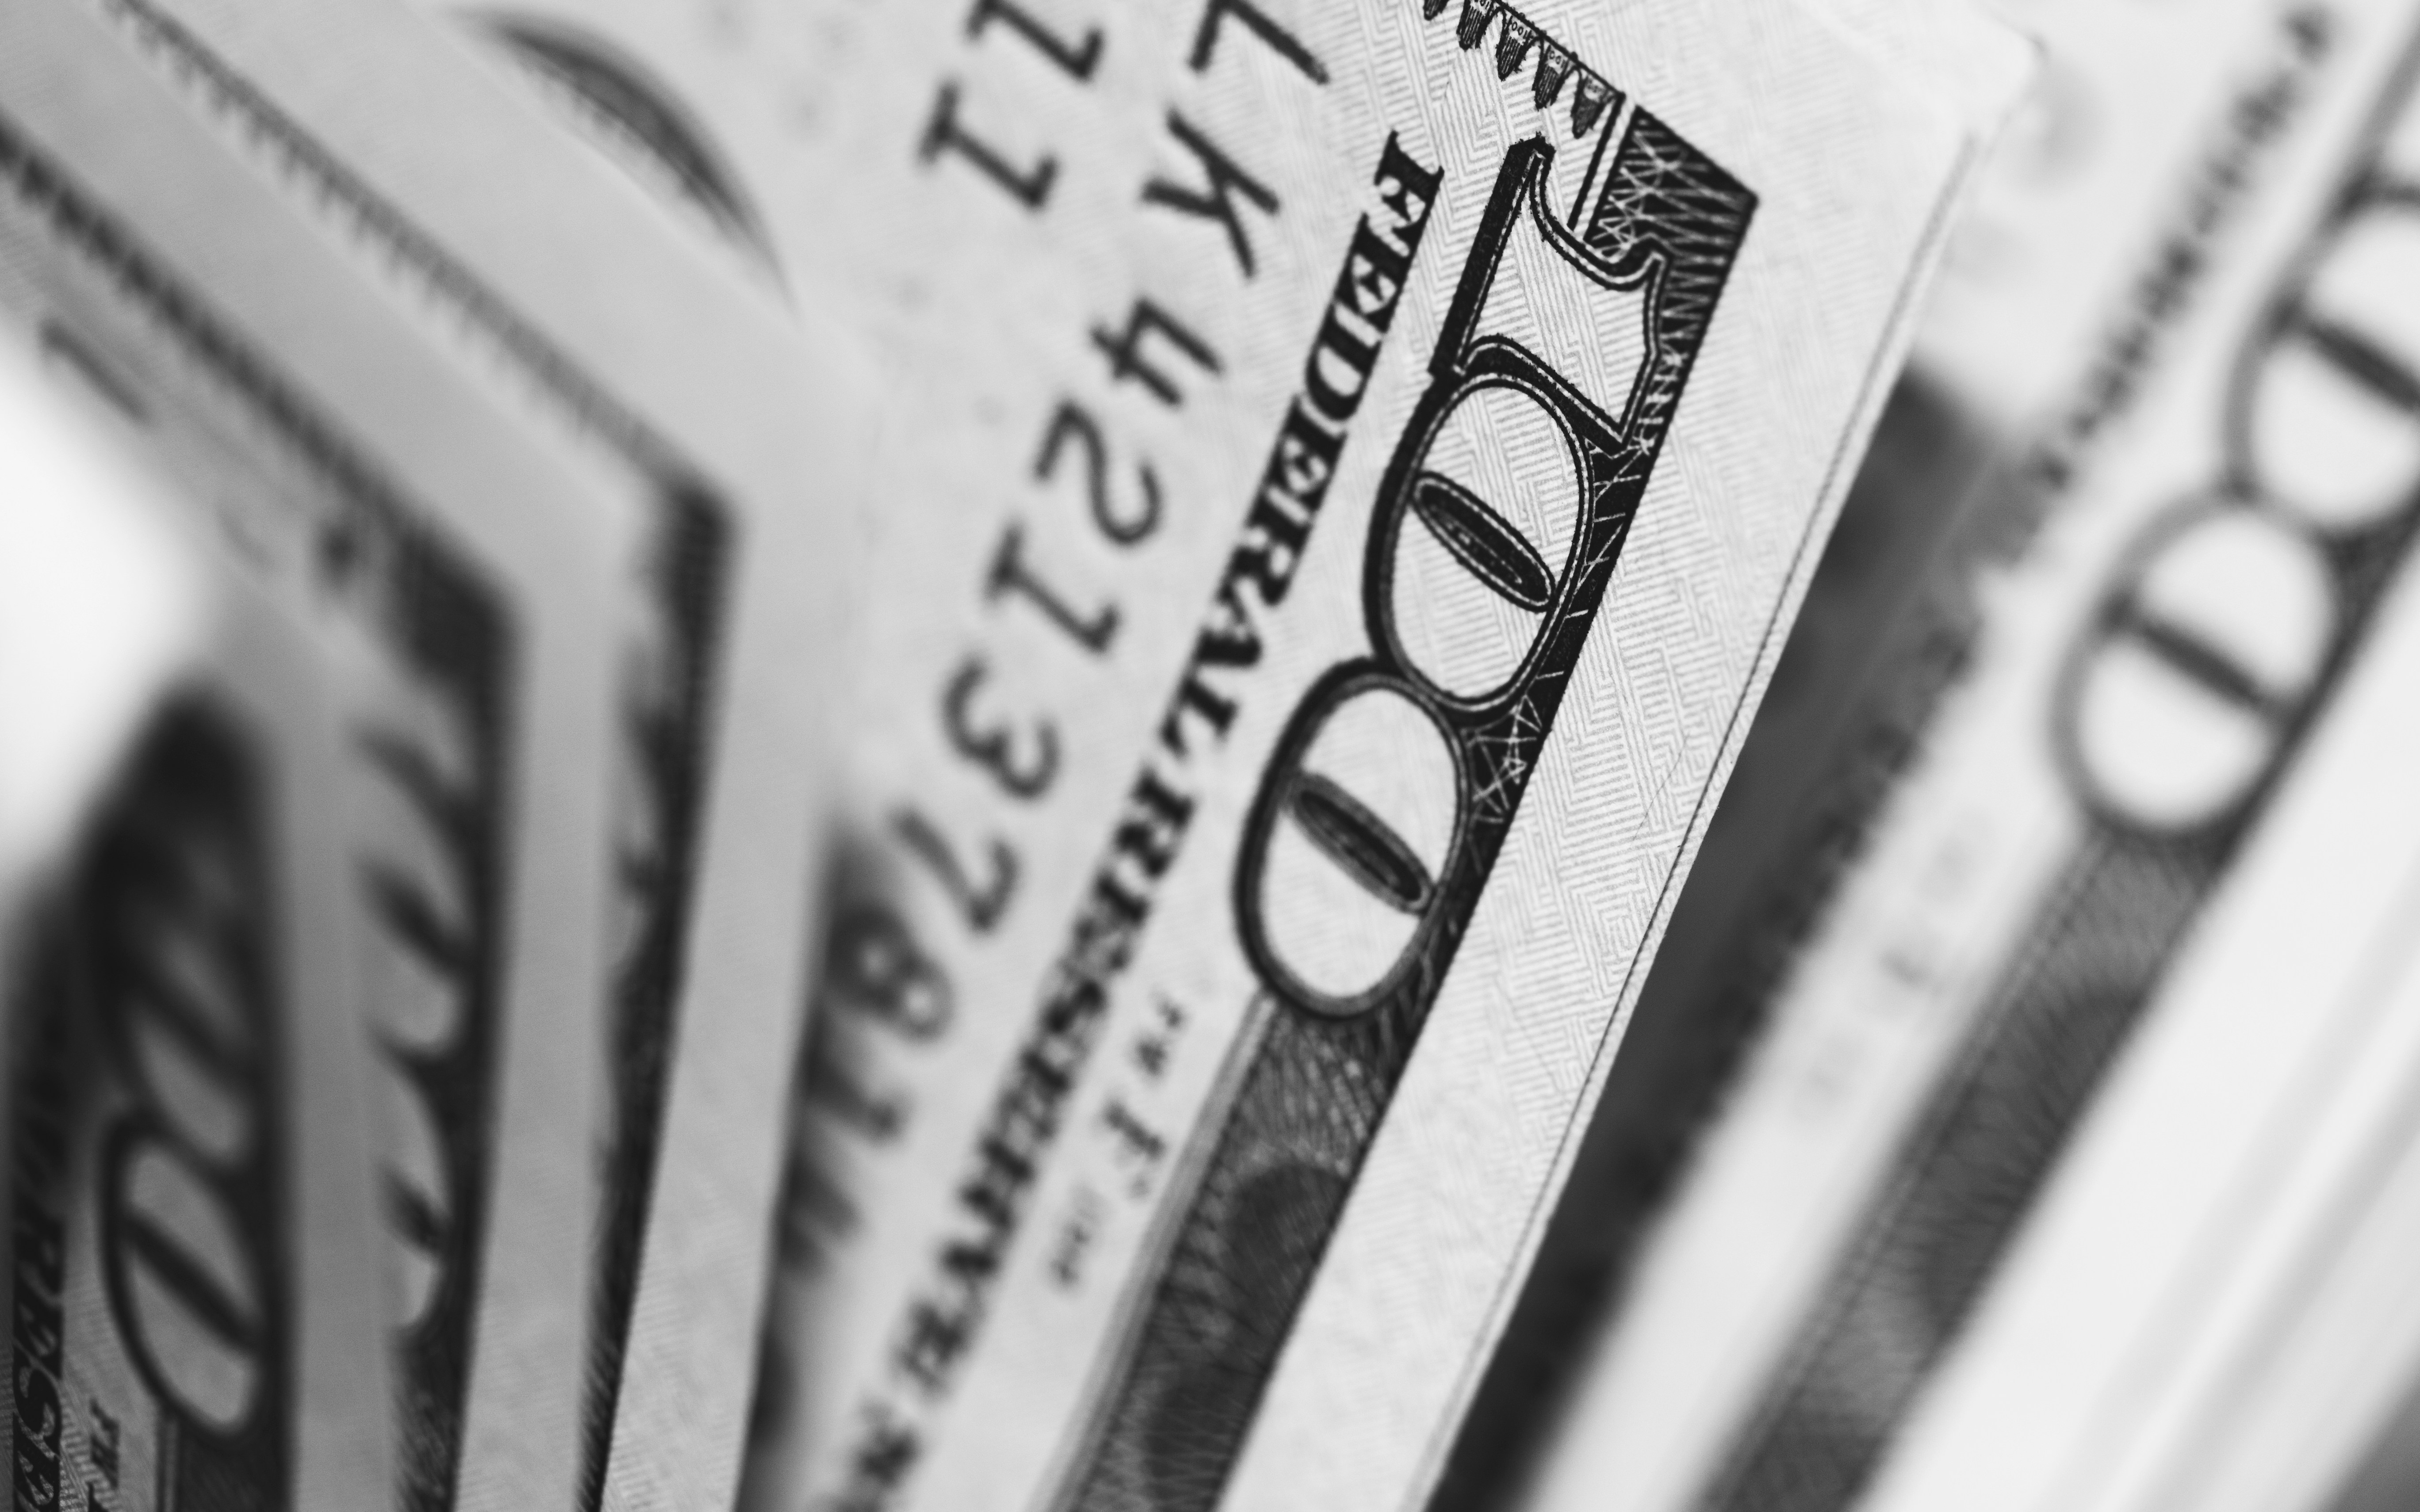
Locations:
(1315, 1089)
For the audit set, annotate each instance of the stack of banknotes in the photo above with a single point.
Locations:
(824, 756)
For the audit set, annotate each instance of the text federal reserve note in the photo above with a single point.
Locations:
(197, 1289)
(1358, 466)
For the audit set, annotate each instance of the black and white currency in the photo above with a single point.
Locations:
(816, 757)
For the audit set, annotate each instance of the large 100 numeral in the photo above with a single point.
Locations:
(1494, 537)
(179, 910)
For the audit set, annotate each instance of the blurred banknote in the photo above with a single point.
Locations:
(2121, 100)
(1352, 470)
(2207, 1309)
(2177, 575)
(513, 663)
(730, 433)
(197, 1289)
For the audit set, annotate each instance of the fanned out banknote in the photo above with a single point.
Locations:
(735, 435)
(195, 1280)
(2194, 576)
(1115, 1171)
(2210, 1307)
(517, 655)
(2207, 1311)
(2036, 260)
(2030, 257)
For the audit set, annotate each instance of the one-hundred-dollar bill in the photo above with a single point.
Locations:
(96, 596)
(2129, 706)
(2210, 1310)
(2034, 263)
(2207, 1308)
(196, 1289)
(520, 603)
(1144, 911)
(735, 415)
